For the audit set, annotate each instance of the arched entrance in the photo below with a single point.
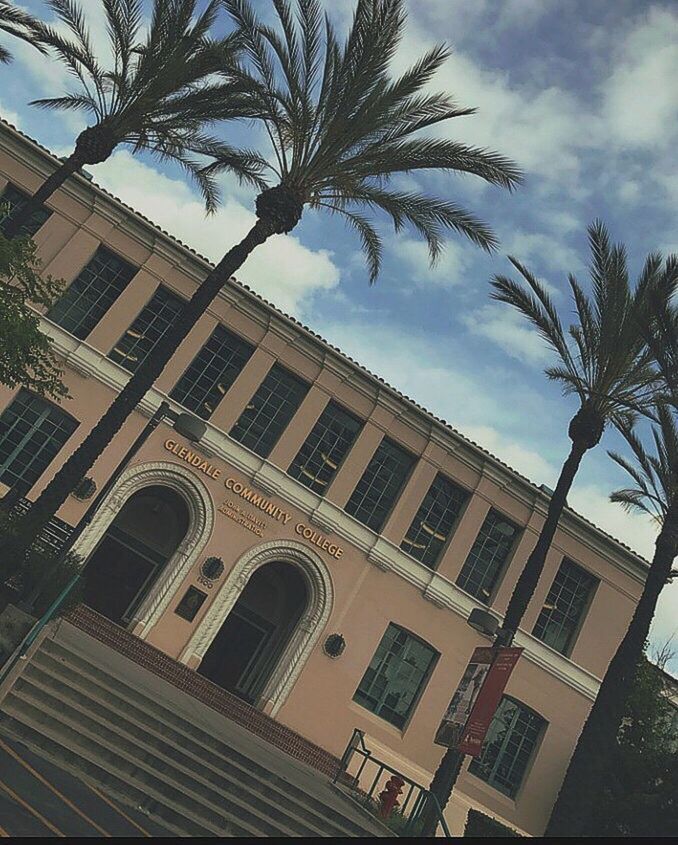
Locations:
(133, 552)
(246, 650)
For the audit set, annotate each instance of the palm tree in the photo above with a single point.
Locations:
(655, 492)
(341, 127)
(606, 365)
(20, 24)
(158, 96)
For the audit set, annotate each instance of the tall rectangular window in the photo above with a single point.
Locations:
(269, 411)
(147, 330)
(434, 520)
(325, 448)
(13, 198)
(485, 562)
(88, 298)
(32, 431)
(380, 484)
(396, 676)
(212, 372)
(508, 747)
(565, 606)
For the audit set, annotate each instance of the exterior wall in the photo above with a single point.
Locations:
(374, 582)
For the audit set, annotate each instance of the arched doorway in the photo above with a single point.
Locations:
(133, 552)
(250, 643)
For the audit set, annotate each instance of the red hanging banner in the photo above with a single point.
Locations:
(487, 700)
(456, 716)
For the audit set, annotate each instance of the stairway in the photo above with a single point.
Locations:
(152, 746)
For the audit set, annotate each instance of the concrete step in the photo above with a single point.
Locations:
(118, 788)
(322, 809)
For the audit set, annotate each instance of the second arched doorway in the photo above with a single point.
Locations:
(252, 639)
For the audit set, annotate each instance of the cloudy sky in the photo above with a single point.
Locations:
(582, 95)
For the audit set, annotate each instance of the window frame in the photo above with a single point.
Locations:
(503, 569)
(468, 495)
(361, 425)
(26, 196)
(576, 630)
(543, 727)
(422, 684)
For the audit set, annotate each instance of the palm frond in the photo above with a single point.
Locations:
(20, 24)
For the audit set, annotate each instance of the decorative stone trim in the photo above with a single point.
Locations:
(201, 520)
(308, 629)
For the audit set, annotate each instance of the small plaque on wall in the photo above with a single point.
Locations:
(190, 604)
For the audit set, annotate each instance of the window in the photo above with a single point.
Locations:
(397, 675)
(380, 485)
(565, 606)
(434, 520)
(483, 566)
(147, 330)
(89, 297)
(269, 411)
(15, 198)
(508, 747)
(325, 448)
(212, 372)
(32, 431)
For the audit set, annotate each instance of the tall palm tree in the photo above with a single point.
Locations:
(20, 24)
(160, 93)
(604, 362)
(655, 492)
(341, 127)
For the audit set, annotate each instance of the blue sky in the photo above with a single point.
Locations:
(582, 95)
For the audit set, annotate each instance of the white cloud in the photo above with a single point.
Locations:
(640, 103)
(509, 330)
(9, 115)
(526, 461)
(548, 250)
(448, 271)
(282, 270)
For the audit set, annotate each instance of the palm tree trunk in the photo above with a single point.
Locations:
(450, 766)
(587, 767)
(23, 214)
(529, 577)
(75, 468)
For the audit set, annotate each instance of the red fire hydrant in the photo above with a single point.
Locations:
(389, 797)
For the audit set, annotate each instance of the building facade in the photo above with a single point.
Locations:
(320, 502)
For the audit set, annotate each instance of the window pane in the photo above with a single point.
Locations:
(325, 448)
(269, 411)
(15, 198)
(380, 485)
(89, 297)
(32, 431)
(212, 372)
(565, 606)
(483, 566)
(508, 746)
(148, 328)
(395, 679)
(434, 520)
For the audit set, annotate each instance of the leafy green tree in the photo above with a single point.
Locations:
(160, 94)
(603, 361)
(18, 23)
(341, 128)
(638, 796)
(26, 355)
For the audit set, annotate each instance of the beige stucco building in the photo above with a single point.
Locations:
(335, 505)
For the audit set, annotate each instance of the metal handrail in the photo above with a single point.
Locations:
(424, 798)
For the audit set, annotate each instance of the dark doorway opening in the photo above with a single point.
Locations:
(246, 651)
(133, 552)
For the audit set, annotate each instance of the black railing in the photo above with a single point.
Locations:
(415, 800)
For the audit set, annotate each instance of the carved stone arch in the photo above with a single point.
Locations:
(307, 630)
(200, 523)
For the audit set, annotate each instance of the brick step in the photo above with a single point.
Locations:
(101, 721)
(323, 807)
